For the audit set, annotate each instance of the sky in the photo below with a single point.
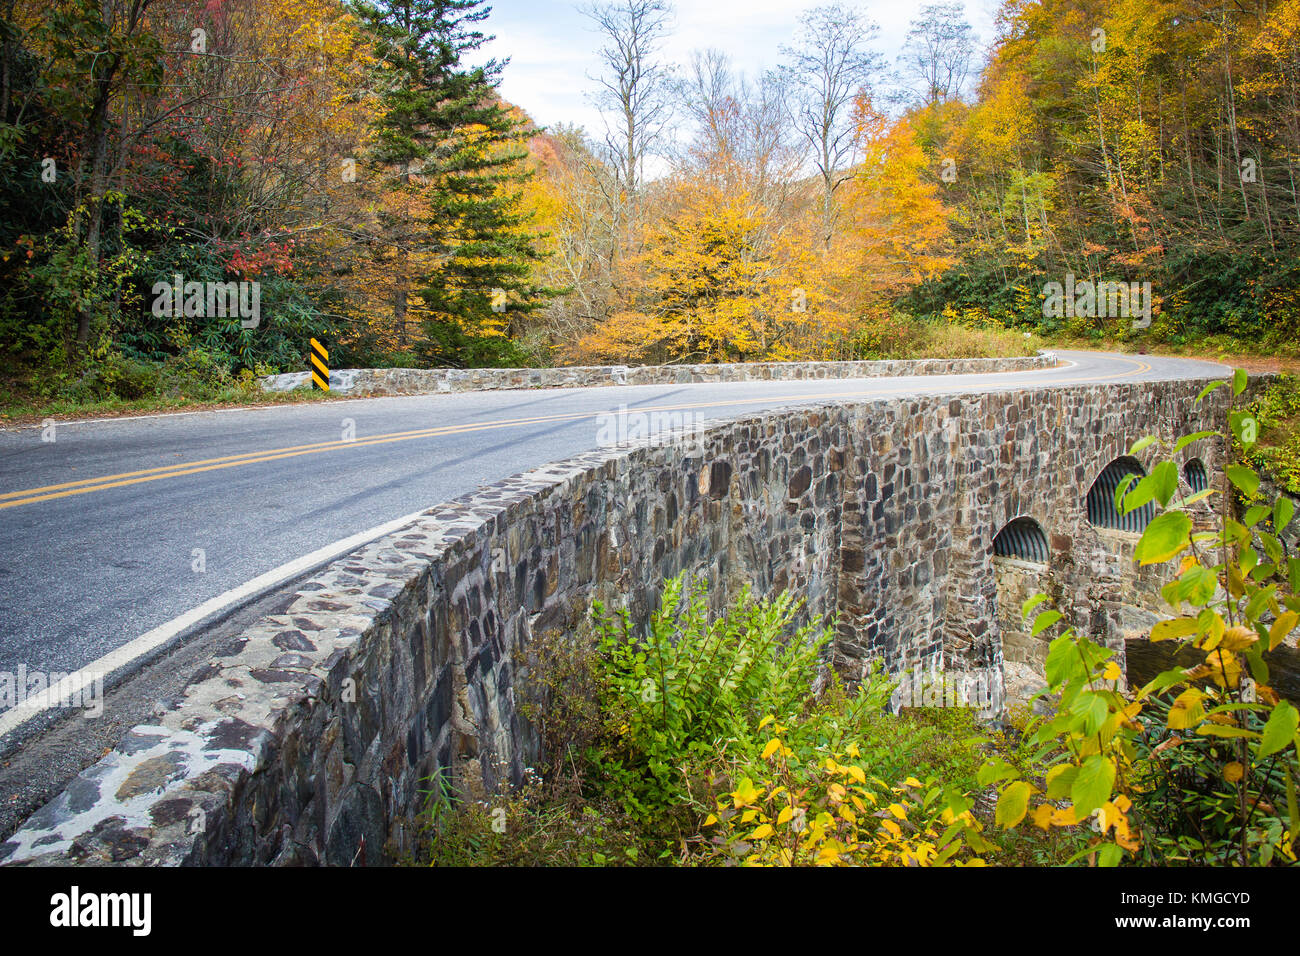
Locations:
(551, 46)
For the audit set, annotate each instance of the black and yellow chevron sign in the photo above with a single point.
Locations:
(320, 366)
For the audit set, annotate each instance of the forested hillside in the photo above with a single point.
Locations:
(190, 192)
(1136, 140)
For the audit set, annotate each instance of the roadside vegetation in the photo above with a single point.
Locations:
(1277, 452)
(660, 749)
(128, 387)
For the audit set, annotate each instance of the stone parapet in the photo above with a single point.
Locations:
(418, 381)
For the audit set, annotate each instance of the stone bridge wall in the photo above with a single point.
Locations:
(314, 737)
(420, 381)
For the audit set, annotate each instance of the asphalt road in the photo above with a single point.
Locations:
(99, 528)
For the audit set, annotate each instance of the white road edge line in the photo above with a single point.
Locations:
(71, 687)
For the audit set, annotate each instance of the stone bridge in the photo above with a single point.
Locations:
(913, 526)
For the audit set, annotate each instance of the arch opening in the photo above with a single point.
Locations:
(1197, 477)
(1022, 538)
(1101, 498)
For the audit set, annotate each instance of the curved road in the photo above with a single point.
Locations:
(99, 528)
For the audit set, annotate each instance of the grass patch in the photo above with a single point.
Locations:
(25, 411)
(137, 389)
(903, 336)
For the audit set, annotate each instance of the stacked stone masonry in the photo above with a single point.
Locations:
(313, 737)
(423, 381)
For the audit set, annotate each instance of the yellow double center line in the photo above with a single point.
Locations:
(49, 492)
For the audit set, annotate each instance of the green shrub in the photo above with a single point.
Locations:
(122, 377)
(1277, 410)
(692, 691)
(1190, 802)
(643, 736)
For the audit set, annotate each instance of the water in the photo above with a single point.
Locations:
(1147, 659)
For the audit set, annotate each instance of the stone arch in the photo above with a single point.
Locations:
(1100, 501)
(1198, 479)
(1020, 567)
(1022, 538)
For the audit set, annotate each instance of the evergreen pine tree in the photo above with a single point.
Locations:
(443, 123)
